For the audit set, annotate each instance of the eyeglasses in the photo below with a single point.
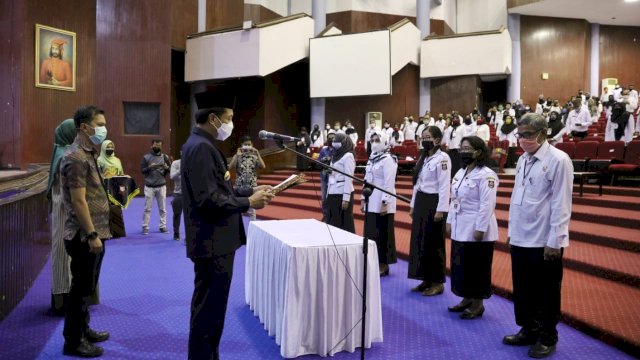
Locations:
(528, 134)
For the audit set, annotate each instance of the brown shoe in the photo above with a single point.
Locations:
(462, 306)
(435, 289)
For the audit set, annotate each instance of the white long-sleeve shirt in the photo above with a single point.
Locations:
(540, 208)
(338, 183)
(578, 120)
(381, 171)
(484, 132)
(435, 178)
(174, 174)
(473, 204)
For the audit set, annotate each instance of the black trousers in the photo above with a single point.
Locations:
(85, 270)
(209, 305)
(176, 205)
(337, 217)
(536, 292)
(381, 228)
(426, 250)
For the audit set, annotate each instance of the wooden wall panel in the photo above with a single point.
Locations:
(258, 13)
(224, 13)
(560, 47)
(619, 54)
(43, 109)
(11, 13)
(403, 101)
(454, 93)
(184, 21)
(133, 63)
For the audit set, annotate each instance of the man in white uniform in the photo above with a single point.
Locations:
(539, 217)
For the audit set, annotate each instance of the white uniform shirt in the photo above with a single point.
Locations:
(370, 131)
(338, 183)
(609, 132)
(440, 123)
(484, 132)
(419, 133)
(452, 137)
(435, 178)
(578, 121)
(473, 204)
(468, 130)
(410, 130)
(381, 171)
(541, 199)
(511, 136)
(319, 141)
(388, 132)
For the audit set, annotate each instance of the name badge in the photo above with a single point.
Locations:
(456, 206)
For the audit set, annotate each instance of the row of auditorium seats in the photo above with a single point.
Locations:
(607, 157)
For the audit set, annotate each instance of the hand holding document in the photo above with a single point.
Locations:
(290, 182)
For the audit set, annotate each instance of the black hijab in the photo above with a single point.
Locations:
(347, 147)
(619, 116)
(315, 134)
(508, 128)
(555, 125)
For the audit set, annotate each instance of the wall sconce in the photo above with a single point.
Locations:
(545, 76)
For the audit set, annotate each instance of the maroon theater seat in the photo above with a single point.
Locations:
(631, 164)
(567, 147)
(608, 152)
(585, 150)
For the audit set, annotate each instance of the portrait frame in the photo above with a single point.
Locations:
(58, 74)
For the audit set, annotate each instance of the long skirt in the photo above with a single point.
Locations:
(337, 217)
(426, 250)
(60, 260)
(454, 155)
(471, 268)
(381, 228)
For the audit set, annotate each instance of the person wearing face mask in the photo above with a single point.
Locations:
(473, 228)
(340, 189)
(482, 130)
(247, 161)
(539, 215)
(372, 129)
(441, 123)
(85, 228)
(409, 128)
(325, 158)
(508, 132)
(540, 104)
(64, 136)
(620, 125)
(469, 128)
(381, 171)
(108, 163)
(302, 147)
(155, 167)
(387, 130)
(213, 224)
(556, 106)
(451, 140)
(556, 129)
(578, 120)
(428, 208)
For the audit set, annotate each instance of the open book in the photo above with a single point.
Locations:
(290, 182)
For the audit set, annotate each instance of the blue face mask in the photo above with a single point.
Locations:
(336, 145)
(100, 135)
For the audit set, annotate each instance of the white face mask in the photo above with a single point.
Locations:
(377, 147)
(246, 147)
(336, 145)
(224, 131)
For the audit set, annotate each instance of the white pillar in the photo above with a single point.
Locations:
(319, 13)
(202, 15)
(513, 82)
(423, 11)
(595, 60)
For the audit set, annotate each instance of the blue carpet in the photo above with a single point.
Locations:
(146, 286)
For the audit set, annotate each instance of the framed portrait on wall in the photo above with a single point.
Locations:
(55, 58)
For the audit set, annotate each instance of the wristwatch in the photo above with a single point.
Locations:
(90, 236)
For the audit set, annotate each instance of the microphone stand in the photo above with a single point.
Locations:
(367, 190)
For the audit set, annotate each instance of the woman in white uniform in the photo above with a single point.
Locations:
(473, 228)
(381, 171)
(340, 189)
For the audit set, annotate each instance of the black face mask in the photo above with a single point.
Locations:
(156, 150)
(467, 121)
(109, 152)
(466, 158)
(553, 118)
(428, 145)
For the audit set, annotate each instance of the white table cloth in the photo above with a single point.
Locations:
(299, 288)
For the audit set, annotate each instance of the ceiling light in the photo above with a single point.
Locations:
(630, 1)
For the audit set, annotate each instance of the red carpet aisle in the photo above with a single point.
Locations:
(601, 292)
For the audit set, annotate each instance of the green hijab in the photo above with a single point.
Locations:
(64, 136)
(109, 165)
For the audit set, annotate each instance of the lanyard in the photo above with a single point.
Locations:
(461, 181)
(526, 173)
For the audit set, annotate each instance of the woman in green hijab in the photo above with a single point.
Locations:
(64, 136)
(108, 163)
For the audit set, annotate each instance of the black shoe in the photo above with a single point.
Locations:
(520, 339)
(472, 314)
(84, 349)
(163, 230)
(422, 287)
(462, 306)
(96, 336)
(435, 289)
(540, 350)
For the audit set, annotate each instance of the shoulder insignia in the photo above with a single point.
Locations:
(491, 182)
(444, 165)
(227, 176)
(545, 168)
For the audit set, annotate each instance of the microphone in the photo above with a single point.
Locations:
(265, 135)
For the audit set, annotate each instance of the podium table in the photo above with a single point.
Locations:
(297, 283)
